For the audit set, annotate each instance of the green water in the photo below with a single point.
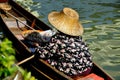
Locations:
(101, 21)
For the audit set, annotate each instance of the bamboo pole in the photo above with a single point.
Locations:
(25, 60)
(18, 20)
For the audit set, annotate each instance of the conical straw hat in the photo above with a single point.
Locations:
(66, 21)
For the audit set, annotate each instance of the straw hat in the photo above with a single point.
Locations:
(66, 21)
(5, 6)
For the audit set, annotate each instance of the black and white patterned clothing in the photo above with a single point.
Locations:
(66, 53)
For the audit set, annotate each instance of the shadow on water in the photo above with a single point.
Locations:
(101, 21)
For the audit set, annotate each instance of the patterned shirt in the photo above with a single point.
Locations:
(68, 54)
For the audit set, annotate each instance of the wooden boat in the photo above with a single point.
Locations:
(38, 67)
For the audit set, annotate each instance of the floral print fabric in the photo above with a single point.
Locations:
(66, 53)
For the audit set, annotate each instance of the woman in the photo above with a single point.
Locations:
(65, 50)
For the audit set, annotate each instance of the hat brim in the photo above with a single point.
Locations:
(61, 23)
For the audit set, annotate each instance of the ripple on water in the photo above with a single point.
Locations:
(104, 44)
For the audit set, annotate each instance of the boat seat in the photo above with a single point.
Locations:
(15, 26)
(13, 23)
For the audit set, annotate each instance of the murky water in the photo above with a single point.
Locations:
(101, 21)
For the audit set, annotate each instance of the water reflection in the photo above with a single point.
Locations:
(104, 43)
